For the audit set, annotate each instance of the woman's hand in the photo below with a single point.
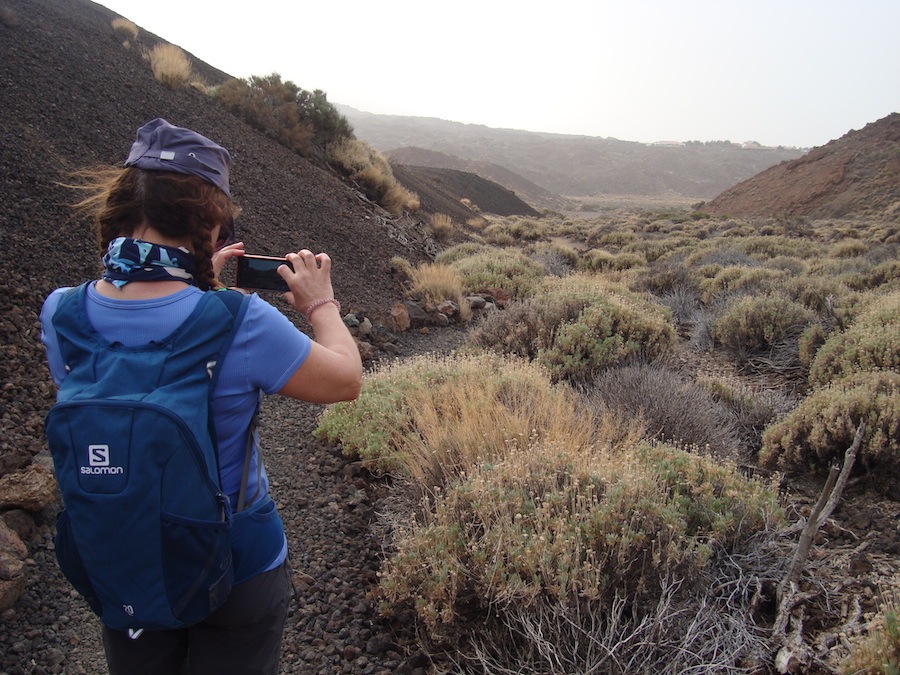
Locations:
(310, 280)
(225, 254)
(333, 369)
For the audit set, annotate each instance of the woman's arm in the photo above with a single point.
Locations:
(333, 369)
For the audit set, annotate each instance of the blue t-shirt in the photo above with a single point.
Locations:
(266, 351)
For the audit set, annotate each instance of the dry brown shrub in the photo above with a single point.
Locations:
(170, 66)
(372, 171)
(125, 28)
(751, 408)
(673, 408)
(435, 283)
(441, 226)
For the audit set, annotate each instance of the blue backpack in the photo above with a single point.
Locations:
(144, 534)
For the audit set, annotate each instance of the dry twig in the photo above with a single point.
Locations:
(792, 651)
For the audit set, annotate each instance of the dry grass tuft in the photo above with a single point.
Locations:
(433, 418)
(170, 66)
(435, 283)
(125, 28)
(371, 169)
(441, 226)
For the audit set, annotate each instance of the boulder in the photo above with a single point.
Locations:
(32, 489)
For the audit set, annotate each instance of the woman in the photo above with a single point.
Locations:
(164, 223)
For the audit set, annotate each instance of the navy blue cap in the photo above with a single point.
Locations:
(160, 146)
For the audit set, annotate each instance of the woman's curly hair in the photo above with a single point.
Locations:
(175, 204)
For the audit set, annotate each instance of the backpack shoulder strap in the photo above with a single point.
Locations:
(236, 303)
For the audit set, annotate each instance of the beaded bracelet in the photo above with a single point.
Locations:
(318, 303)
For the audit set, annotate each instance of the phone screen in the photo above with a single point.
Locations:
(257, 272)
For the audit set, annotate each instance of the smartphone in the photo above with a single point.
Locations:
(257, 272)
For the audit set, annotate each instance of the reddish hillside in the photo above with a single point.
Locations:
(855, 175)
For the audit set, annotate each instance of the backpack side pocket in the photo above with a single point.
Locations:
(70, 561)
(196, 565)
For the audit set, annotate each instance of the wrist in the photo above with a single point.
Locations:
(313, 306)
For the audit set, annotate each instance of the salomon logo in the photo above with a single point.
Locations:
(98, 459)
(98, 455)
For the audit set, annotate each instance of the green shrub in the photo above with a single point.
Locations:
(280, 109)
(849, 249)
(515, 229)
(872, 342)
(577, 326)
(741, 281)
(886, 273)
(551, 522)
(460, 251)
(793, 266)
(270, 106)
(755, 324)
(486, 267)
(763, 248)
(810, 341)
(824, 295)
(432, 419)
(818, 432)
(665, 277)
(607, 236)
(497, 235)
(598, 260)
(654, 249)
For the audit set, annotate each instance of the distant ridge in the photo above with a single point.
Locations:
(855, 175)
(530, 192)
(571, 166)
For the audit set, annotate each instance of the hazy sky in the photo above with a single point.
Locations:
(780, 72)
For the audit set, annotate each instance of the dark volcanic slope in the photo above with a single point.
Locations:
(72, 96)
(441, 191)
(530, 192)
(855, 175)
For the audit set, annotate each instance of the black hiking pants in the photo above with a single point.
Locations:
(242, 637)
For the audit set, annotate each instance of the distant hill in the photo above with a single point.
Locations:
(855, 175)
(530, 192)
(442, 191)
(574, 165)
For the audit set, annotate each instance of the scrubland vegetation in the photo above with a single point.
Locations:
(595, 481)
(591, 484)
